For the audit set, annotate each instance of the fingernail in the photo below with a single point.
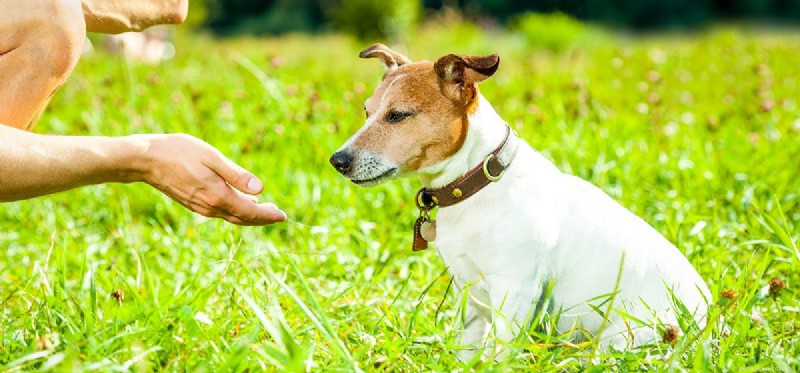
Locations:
(254, 185)
(279, 210)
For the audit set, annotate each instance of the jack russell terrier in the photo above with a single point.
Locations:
(523, 237)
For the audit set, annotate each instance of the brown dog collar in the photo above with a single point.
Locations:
(489, 171)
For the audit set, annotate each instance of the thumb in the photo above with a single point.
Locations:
(235, 175)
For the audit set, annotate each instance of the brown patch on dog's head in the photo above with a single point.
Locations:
(417, 115)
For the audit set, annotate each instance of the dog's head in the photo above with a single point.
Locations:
(416, 117)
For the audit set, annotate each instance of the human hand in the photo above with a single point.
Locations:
(199, 177)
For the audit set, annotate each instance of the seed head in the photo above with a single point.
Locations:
(729, 294)
(119, 295)
(671, 334)
(775, 286)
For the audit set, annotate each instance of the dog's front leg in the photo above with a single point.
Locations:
(513, 301)
(476, 323)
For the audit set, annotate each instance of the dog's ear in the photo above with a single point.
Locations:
(459, 74)
(391, 59)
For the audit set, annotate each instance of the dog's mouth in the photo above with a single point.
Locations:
(377, 179)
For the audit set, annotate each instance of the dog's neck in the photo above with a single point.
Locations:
(485, 131)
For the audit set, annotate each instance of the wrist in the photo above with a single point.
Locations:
(134, 161)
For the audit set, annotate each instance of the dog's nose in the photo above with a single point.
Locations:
(342, 161)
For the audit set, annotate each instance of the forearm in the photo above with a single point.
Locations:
(117, 16)
(33, 165)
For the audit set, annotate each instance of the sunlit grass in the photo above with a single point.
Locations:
(699, 136)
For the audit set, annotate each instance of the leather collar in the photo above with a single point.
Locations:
(490, 170)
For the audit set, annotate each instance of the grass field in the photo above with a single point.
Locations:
(699, 135)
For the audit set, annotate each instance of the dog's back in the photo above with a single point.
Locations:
(610, 242)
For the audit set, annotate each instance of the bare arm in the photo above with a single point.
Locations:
(116, 16)
(187, 169)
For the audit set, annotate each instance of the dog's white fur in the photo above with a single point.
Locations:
(536, 225)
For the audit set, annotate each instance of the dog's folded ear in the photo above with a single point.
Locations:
(459, 74)
(391, 59)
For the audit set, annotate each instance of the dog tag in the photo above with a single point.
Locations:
(428, 230)
(420, 243)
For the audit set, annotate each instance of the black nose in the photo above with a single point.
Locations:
(342, 161)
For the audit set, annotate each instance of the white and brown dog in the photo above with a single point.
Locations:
(511, 227)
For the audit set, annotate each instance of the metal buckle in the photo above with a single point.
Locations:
(486, 173)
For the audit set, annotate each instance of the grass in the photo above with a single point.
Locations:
(698, 135)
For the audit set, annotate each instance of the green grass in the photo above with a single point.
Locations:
(698, 135)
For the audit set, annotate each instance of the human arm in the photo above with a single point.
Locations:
(186, 169)
(117, 16)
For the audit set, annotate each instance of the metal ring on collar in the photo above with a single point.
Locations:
(421, 204)
(488, 175)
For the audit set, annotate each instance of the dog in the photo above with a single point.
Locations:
(522, 237)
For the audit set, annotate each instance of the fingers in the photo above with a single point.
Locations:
(249, 197)
(238, 204)
(236, 207)
(274, 216)
(255, 213)
(234, 174)
(267, 214)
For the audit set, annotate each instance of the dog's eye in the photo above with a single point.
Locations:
(397, 116)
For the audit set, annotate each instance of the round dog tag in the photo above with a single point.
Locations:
(428, 230)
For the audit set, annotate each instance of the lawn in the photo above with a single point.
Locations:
(698, 134)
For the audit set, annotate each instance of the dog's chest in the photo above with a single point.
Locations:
(470, 240)
(466, 270)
